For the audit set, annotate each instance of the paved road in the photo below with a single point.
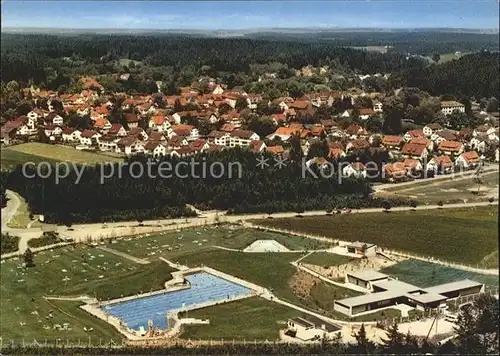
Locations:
(140, 261)
(86, 232)
(13, 204)
(455, 177)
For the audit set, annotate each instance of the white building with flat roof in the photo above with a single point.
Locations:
(384, 292)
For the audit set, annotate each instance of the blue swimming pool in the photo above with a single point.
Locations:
(205, 287)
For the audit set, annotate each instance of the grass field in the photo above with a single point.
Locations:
(178, 243)
(462, 235)
(37, 152)
(446, 57)
(127, 62)
(272, 271)
(424, 274)
(249, 319)
(267, 270)
(325, 259)
(10, 158)
(449, 191)
(69, 272)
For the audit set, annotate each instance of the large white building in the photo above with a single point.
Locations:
(385, 292)
(447, 107)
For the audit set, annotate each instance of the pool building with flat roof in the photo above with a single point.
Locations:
(384, 291)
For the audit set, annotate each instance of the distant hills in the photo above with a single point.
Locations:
(246, 32)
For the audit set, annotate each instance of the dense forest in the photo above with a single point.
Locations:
(474, 75)
(36, 57)
(422, 42)
(54, 61)
(243, 188)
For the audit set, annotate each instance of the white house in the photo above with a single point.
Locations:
(431, 128)
(125, 145)
(53, 118)
(71, 135)
(219, 138)
(117, 130)
(444, 162)
(240, 138)
(478, 144)
(468, 160)
(451, 148)
(188, 131)
(377, 106)
(160, 123)
(108, 143)
(218, 90)
(356, 170)
(52, 130)
(483, 130)
(89, 137)
(155, 149)
(447, 107)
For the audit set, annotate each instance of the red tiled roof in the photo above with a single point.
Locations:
(397, 169)
(392, 140)
(335, 153)
(471, 157)
(88, 133)
(276, 149)
(366, 111)
(444, 161)
(353, 129)
(360, 144)
(416, 133)
(452, 146)
(413, 149)
(298, 104)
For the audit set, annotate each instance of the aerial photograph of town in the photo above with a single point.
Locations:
(249, 177)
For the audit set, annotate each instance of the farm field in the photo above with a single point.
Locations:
(248, 319)
(449, 191)
(446, 57)
(446, 234)
(43, 152)
(178, 243)
(424, 274)
(325, 259)
(69, 272)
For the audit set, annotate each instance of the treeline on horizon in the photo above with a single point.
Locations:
(26, 57)
(176, 60)
(425, 42)
(127, 198)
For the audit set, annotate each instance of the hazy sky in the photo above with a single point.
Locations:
(246, 14)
